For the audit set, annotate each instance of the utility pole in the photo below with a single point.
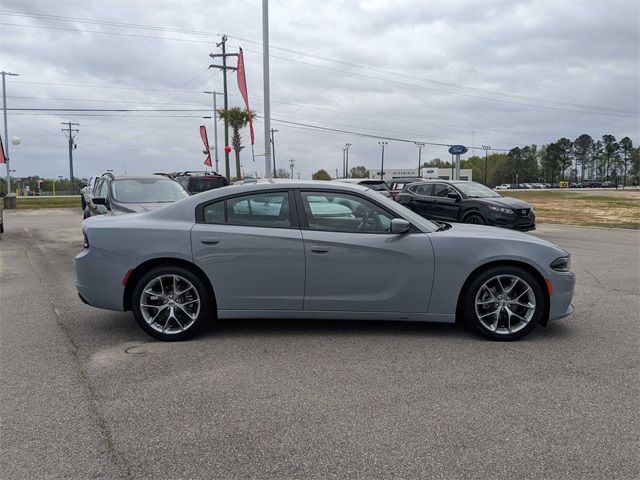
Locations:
(72, 145)
(346, 162)
(291, 162)
(6, 133)
(215, 128)
(419, 145)
(266, 92)
(344, 169)
(383, 144)
(273, 145)
(224, 69)
(486, 149)
(337, 173)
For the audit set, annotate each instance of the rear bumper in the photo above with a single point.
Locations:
(98, 280)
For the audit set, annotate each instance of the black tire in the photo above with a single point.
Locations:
(204, 312)
(469, 306)
(475, 219)
(82, 202)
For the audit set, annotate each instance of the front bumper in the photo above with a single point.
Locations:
(514, 222)
(563, 284)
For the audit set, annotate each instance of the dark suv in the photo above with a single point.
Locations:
(468, 202)
(198, 182)
(132, 194)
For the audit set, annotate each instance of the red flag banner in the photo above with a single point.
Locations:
(205, 140)
(242, 85)
(2, 159)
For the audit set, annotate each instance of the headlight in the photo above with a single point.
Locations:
(501, 210)
(85, 240)
(561, 264)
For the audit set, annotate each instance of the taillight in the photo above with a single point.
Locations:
(85, 240)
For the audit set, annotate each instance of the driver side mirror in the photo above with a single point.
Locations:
(453, 195)
(400, 225)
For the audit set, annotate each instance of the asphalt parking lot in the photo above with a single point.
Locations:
(86, 394)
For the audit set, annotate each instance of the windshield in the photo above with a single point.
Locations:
(147, 190)
(476, 190)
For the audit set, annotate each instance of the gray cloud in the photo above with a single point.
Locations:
(583, 53)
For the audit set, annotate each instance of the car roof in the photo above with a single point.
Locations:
(135, 177)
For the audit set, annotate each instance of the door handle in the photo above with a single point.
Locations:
(319, 249)
(210, 241)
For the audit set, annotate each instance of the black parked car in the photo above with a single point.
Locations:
(132, 194)
(468, 202)
(198, 182)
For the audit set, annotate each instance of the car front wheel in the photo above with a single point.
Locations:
(504, 303)
(475, 219)
(171, 303)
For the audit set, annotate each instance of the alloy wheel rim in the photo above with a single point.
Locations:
(505, 304)
(170, 304)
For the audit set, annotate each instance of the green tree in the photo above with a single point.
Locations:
(626, 152)
(476, 164)
(237, 118)
(582, 148)
(565, 155)
(611, 150)
(596, 166)
(437, 163)
(321, 174)
(635, 165)
(359, 172)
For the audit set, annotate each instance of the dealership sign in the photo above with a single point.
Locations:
(458, 149)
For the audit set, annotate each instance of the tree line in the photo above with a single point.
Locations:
(581, 160)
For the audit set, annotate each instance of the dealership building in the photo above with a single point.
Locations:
(427, 172)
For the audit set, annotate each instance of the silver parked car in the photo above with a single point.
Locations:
(324, 250)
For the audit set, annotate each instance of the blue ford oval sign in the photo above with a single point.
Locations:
(458, 149)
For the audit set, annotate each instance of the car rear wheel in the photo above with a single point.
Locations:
(171, 303)
(474, 219)
(504, 303)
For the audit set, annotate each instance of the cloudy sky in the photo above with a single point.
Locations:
(498, 73)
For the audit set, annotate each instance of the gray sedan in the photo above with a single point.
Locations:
(321, 250)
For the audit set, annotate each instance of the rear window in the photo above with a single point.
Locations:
(202, 184)
(377, 186)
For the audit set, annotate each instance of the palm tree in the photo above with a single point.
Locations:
(236, 118)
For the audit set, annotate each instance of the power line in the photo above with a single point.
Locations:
(606, 111)
(289, 50)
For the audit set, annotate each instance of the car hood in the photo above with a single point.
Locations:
(493, 233)
(139, 207)
(506, 202)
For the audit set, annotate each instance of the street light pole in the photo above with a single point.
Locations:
(6, 134)
(346, 161)
(419, 145)
(486, 149)
(215, 128)
(72, 145)
(266, 94)
(383, 144)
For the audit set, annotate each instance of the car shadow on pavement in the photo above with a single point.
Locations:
(268, 327)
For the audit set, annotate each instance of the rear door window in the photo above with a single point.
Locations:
(270, 210)
(424, 190)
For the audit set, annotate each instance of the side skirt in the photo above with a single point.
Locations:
(341, 315)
